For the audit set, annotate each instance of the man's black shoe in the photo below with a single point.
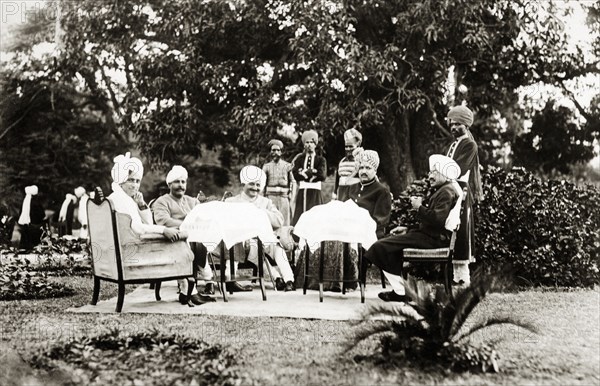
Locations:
(289, 286)
(279, 284)
(183, 299)
(237, 287)
(391, 296)
(202, 298)
(209, 289)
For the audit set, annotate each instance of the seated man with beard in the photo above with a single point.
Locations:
(431, 233)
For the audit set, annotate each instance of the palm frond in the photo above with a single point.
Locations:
(367, 332)
(392, 311)
(466, 300)
(496, 321)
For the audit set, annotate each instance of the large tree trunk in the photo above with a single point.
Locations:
(392, 141)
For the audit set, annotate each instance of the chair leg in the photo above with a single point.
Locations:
(448, 279)
(261, 273)
(96, 290)
(266, 262)
(120, 297)
(157, 290)
(362, 273)
(306, 258)
(222, 267)
(214, 269)
(382, 278)
(321, 270)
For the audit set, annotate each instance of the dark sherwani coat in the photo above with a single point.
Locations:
(387, 253)
(376, 198)
(303, 172)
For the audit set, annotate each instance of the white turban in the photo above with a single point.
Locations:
(253, 173)
(445, 165)
(24, 218)
(126, 166)
(79, 191)
(351, 135)
(178, 172)
(69, 198)
(369, 157)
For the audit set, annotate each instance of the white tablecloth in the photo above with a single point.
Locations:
(337, 221)
(232, 222)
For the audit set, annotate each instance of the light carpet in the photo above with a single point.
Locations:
(294, 304)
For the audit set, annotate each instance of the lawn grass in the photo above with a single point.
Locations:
(286, 351)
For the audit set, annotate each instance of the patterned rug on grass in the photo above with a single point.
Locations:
(294, 304)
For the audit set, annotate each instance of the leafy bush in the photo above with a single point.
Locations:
(547, 230)
(56, 256)
(18, 283)
(432, 331)
(149, 358)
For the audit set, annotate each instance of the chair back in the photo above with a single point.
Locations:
(455, 231)
(103, 242)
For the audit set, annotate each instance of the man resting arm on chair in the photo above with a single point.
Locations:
(387, 253)
(170, 210)
(126, 198)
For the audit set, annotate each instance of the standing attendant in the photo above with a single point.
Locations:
(279, 180)
(347, 180)
(464, 152)
(309, 169)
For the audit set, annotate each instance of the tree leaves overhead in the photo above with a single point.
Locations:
(175, 77)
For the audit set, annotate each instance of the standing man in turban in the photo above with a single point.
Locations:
(431, 233)
(373, 195)
(27, 232)
(253, 180)
(347, 181)
(83, 198)
(309, 169)
(126, 198)
(279, 180)
(464, 151)
(170, 210)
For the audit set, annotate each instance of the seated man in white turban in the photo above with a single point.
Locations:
(126, 198)
(170, 210)
(253, 181)
(431, 233)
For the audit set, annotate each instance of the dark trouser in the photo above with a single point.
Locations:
(200, 253)
(387, 253)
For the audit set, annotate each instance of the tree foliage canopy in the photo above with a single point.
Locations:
(176, 76)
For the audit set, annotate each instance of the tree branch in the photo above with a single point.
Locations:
(581, 109)
(434, 117)
(24, 114)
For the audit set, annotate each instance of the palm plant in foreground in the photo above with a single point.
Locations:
(432, 330)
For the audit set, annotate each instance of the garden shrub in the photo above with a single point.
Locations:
(19, 283)
(547, 230)
(435, 329)
(148, 358)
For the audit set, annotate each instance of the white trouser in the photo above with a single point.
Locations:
(396, 282)
(283, 269)
(461, 271)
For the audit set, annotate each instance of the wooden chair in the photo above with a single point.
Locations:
(442, 256)
(121, 256)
